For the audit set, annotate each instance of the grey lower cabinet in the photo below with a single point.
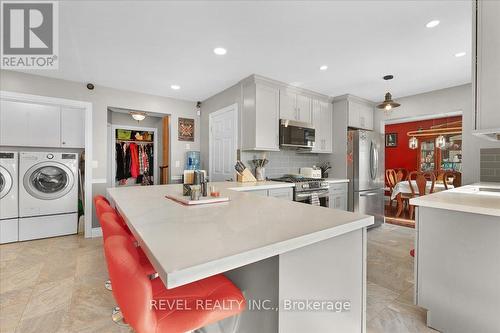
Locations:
(337, 196)
(282, 193)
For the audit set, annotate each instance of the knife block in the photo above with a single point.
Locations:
(245, 176)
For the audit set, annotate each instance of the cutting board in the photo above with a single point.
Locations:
(186, 200)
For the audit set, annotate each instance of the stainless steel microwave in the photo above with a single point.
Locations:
(296, 134)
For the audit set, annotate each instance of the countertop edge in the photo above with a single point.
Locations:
(188, 275)
(421, 202)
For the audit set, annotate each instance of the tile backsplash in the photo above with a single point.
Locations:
(490, 165)
(281, 162)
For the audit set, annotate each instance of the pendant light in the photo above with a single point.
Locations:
(388, 104)
(413, 143)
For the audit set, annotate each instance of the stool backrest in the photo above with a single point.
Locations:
(131, 285)
(99, 198)
(112, 225)
(102, 207)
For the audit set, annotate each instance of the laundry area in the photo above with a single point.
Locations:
(42, 170)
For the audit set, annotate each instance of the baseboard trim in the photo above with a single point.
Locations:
(96, 232)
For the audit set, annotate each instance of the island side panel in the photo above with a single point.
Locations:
(459, 270)
(331, 270)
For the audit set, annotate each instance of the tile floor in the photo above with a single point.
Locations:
(57, 285)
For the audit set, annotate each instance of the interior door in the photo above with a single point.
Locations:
(222, 143)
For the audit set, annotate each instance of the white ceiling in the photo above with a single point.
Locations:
(147, 46)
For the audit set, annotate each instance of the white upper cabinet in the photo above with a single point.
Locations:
(29, 124)
(41, 125)
(359, 111)
(322, 121)
(260, 116)
(295, 106)
(72, 127)
(303, 108)
(288, 108)
(487, 81)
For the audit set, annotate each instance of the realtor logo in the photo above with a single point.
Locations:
(29, 34)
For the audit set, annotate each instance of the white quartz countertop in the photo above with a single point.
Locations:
(337, 180)
(188, 243)
(480, 198)
(262, 185)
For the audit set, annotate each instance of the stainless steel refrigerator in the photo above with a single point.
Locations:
(365, 170)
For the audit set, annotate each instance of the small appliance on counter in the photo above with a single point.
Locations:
(310, 172)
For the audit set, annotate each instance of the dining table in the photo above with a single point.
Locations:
(402, 190)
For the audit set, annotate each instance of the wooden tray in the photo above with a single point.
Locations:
(186, 200)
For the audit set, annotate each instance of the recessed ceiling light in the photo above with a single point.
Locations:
(323, 68)
(459, 54)
(175, 87)
(220, 51)
(432, 24)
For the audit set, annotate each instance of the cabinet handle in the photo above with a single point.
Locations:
(64, 142)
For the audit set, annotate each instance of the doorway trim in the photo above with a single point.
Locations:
(229, 108)
(21, 97)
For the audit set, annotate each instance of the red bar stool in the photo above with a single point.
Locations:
(142, 307)
(112, 225)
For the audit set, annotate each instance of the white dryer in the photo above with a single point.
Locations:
(9, 209)
(48, 194)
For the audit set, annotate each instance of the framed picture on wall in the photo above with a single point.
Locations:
(391, 140)
(186, 129)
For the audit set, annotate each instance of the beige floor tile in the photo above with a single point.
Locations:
(49, 297)
(47, 323)
(12, 305)
(18, 274)
(377, 299)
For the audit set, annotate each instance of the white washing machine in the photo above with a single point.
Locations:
(9, 209)
(48, 194)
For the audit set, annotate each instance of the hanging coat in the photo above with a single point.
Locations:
(134, 161)
(120, 172)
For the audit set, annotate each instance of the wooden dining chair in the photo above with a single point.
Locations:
(391, 179)
(401, 174)
(420, 179)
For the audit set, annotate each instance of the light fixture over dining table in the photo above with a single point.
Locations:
(388, 103)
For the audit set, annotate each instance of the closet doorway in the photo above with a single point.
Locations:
(138, 149)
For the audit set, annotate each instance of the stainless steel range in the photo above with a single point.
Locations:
(312, 191)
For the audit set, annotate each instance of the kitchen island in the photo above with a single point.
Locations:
(276, 251)
(457, 264)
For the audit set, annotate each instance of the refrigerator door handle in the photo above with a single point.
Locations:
(373, 161)
(368, 194)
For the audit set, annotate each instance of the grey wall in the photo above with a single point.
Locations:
(281, 162)
(101, 98)
(447, 100)
(225, 98)
(490, 165)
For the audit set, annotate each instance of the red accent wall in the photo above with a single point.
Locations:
(402, 156)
